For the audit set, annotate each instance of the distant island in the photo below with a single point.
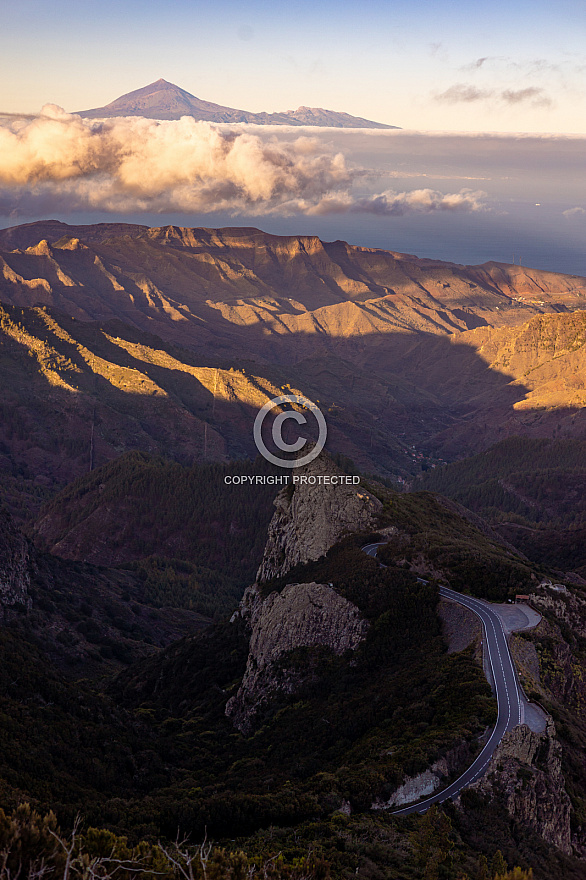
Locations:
(164, 100)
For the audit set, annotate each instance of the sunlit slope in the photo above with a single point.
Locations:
(225, 288)
(76, 395)
(169, 340)
(527, 380)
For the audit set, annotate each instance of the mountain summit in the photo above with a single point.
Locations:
(164, 100)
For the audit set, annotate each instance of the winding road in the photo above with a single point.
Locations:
(510, 699)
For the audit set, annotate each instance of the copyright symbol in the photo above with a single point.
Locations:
(277, 430)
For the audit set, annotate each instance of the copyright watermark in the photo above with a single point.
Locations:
(277, 430)
(295, 480)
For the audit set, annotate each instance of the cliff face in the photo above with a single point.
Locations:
(552, 656)
(526, 773)
(14, 562)
(312, 518)
(301, 616)
(424, 784)
(307, 522)
(569, 608)
(375, 333)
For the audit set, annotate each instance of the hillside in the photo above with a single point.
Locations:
(79, 394)
(533, 491)
(164, 100)
(526, 380)
(88, 620)
(428, 361)
(193, 541)
(328, 725)
(355, 685)
(231, 291)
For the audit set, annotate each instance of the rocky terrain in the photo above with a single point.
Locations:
(327, 697)
(198, 286)
(525, 774)
(413, 361)
(551, 656)
(460, 626)
(338, 684)
(301, 616)
(309, 519)
(164, 100)
(426, 783)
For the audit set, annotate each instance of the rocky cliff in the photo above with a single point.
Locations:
(301, 616)
(424, 784)
(309, 519)
(526, 773)
(551, 657)
(14, 566)
(393, 343)
(565, 605)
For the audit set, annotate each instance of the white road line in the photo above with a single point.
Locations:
(482, 612)
(487, 616)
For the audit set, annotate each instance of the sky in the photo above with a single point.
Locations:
(433, 64)
(491, 101)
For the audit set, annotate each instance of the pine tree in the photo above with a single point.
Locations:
(498, 866)
(432, 843)
(482, 873)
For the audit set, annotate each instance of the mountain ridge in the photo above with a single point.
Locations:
(234, 277)
(200, 326)
(165, 100)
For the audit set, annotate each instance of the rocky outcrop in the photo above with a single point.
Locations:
(14, 566)
(561, 669)
(565, 605)
(525, 773)
(424, 784)
(301, 616)
(549, 657)
(310, 518)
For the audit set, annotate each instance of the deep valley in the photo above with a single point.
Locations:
(182, 656)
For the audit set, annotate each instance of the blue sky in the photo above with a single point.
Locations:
(427, 67)
(416, 65)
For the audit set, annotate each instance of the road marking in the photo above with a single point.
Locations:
(487, 615)
(482, 612)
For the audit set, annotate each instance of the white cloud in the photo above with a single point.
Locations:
(390, 203)
(160, 165)
(59, 161)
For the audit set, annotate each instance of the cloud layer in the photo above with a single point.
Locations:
(465, 93)
(59, 161)
(390, 203)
